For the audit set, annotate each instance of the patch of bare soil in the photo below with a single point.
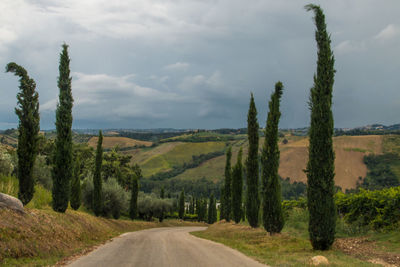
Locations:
(362, 248)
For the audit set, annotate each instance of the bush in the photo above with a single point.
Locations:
(378, 209)
(6, 162)
(42, 172)
(116, 200)
(149, 206)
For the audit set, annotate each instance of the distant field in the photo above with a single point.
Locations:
(175, 154)
(349, 151)
(110, 142)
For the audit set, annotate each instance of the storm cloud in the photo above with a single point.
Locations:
(193, 64)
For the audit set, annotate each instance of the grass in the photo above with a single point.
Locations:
(292, 247)
(41, 198)
(356, 149)
(178, 155)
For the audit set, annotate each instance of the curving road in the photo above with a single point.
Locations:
(172, 246)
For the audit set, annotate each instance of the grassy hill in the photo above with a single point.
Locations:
(110, 142)
(350, 151)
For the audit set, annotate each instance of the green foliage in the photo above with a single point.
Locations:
(97, 180)
(115, 199)
(42, 172)
(252, 169)
(134, 177)
(162, 193)
(202, 210)
(116, 165)
(228, 186)
(272, 209)
(378, 209)
(293, 190)
(380, 174)
(6, 162)
(181, 208)
(76, 185)
(212, 210)
(63, 165)
(28, 130)
(320, 167)
(237, 188)
(149, 206)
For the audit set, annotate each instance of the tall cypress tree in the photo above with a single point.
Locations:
(97, 181)
(320, 168)
(228, 186)
(222, 206)
(252, 194)
(212, 211)
(28, 131)
(182, 205)
(272, 207)
(162, 193)
(237, 188)
(63, 165)
(134, 177)
(76, 185)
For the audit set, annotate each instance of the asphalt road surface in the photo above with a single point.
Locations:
(159, 247)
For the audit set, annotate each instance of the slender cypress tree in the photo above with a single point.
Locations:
(28, 131)
(320, 168)
(162, 193)
(252, 197)
(272, 196)
(212, 211)
(63, 165)
(97, 181)
(222, 206)
(76, 185)
(228, 186)
(182, 205)
(134, 177)
(237, 188)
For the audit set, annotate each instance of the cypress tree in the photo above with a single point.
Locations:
(76, 185)
(182, 205)
(228, 186)
(134, 178)
(97, 181)
(212, 211)
(28, 131)
(63, 165)
(320, 168)
(222, 206)
(252, 194)
(272, 196)
(162, 193)
(237, 188)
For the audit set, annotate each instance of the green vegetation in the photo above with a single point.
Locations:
(63, 165)
(212, 210)
(320, 167)
(237, 188)
(134, 177)
(179, 155)
(181, 208)
(28, 130)
(252, 195)
(76, 185)
(272, 196)
(228, 186)
(97, 180)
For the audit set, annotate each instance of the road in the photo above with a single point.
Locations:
(171, 246)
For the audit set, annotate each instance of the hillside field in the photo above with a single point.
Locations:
(110, 142)
(349, 151)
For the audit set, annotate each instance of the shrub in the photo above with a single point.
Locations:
(149, 206)
(115, 199)
(42, 173)
(6, 162)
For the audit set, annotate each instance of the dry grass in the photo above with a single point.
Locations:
(42, 237)
(277, 250)
(111, 141)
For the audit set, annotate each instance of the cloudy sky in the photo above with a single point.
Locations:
(193, 63)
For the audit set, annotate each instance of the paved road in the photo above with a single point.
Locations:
(172, 246)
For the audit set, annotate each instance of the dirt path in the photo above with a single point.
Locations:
(172, 246)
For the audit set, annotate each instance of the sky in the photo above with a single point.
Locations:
(193, 63)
